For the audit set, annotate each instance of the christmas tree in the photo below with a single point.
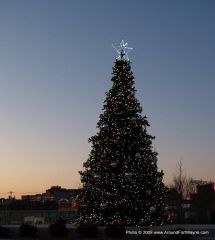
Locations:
(121, 181)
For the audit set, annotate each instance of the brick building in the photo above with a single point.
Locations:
(203, 204)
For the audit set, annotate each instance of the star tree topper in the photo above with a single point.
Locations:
(122, 50)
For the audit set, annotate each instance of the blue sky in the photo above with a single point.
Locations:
(55, 66)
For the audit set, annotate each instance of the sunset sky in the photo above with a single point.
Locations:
(55, 66)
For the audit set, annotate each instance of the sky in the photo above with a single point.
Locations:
(56, 62)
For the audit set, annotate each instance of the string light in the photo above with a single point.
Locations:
(122, 50)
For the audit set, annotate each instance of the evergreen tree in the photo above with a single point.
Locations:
(121, 181)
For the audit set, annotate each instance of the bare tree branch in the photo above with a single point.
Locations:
(182, 183)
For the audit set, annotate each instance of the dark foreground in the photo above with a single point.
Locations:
(172, 232)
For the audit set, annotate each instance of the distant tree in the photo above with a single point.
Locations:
(182, 183)
(189, 188)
